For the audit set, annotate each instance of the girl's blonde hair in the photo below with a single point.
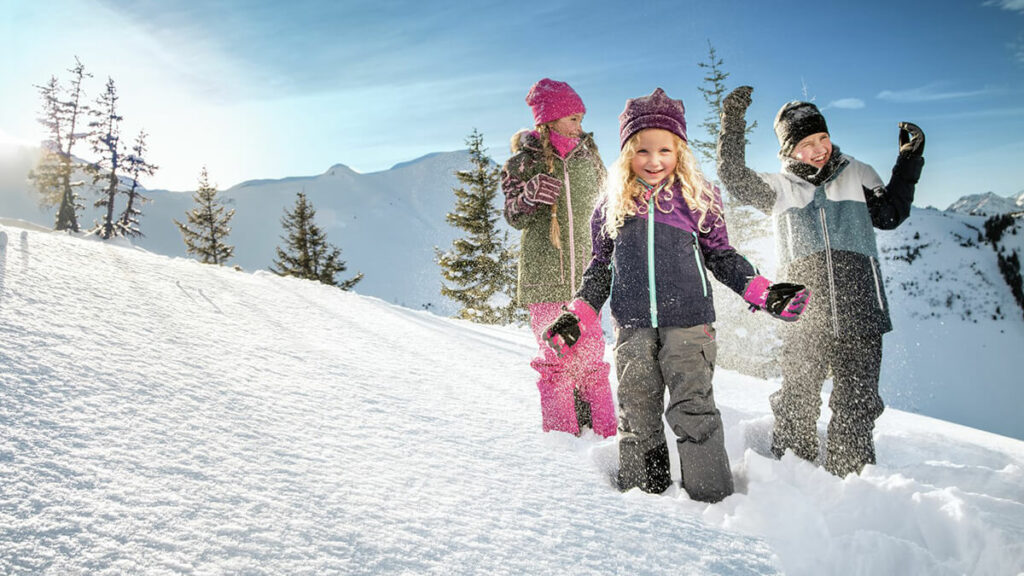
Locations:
(547, 149)
(625, 194)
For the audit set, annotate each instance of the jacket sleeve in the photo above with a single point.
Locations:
(729, 266)
(890, 205)
(514, 175)
(596, 284)
(742, 183)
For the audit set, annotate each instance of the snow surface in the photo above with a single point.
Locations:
(160, 416)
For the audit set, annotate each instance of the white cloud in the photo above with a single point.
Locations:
(1017, 48)
(846, 104)
(931, 92)
(1017, 5)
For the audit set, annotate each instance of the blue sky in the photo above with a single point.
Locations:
(266, 89)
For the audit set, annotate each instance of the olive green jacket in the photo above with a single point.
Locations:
(547, 274)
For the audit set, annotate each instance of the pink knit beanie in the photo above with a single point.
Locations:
(550, 100)
(656, 110)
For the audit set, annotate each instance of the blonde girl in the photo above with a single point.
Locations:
(657, 231)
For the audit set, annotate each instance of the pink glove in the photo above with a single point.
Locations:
(542, 189)
(784, 301)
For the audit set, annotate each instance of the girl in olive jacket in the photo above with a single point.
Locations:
(551, 184)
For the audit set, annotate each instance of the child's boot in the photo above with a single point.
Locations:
(647, 471)
(706, 475)
(582, 405)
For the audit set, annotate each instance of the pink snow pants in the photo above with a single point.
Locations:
(582, 368)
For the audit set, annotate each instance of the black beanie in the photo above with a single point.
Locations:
(796, 121)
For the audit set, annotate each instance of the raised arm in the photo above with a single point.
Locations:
(890, 206)
(742, 183)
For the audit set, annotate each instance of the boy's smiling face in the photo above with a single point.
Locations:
(815, 149)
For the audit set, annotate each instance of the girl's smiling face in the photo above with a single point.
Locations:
(815, 149)
(655, 157)
(569, 126)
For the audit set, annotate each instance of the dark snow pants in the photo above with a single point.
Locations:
(648, 360)
(856, 363)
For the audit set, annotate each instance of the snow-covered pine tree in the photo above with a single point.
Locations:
(135, 166)
(480, 268)
(207, 230)
(306, 253)
(106, 143)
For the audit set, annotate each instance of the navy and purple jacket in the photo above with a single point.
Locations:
(680, 255)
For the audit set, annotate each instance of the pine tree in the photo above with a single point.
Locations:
(307, 254)
(713, 91)
(756, 352)
(480, 268)
(207, 230)
(136, 166)
(106, 143)
(52, 176)
(47, 176)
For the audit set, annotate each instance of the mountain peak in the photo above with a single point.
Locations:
(987, 204)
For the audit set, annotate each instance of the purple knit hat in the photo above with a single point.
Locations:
(550, 100)
(655, 110)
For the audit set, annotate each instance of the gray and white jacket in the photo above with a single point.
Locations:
(824, 229)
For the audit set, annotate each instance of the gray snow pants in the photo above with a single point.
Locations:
(647, 360)
(856, 363)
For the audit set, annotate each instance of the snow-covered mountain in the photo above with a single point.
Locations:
(943, 280)
(988, 204)
(386, 223)
(160, 416)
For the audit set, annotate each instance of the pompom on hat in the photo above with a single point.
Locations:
(550, 100)
(655, 110)
(795, 121)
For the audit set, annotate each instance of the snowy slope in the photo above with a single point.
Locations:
(958, 334)
(160, 416)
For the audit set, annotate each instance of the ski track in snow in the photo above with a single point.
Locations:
(160, 416)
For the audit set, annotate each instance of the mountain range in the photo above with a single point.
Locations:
(941, 272)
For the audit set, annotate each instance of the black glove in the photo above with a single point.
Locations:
(786, 301)
(563, 332)
(911, 139)
(737, 101)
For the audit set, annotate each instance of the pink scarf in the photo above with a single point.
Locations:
(563, 144)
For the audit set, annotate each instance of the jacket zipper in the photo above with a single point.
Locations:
(700, 267)
(650, 262)
(789, 228)
(878, 283)
(831, 273)
(572, 236)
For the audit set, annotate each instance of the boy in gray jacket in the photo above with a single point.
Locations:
(825, 205)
